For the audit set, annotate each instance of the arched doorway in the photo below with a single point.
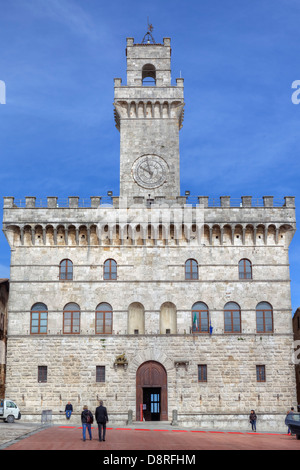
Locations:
(152, 391)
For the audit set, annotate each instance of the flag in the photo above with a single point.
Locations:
(195, 322)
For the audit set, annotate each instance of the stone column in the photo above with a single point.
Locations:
(55, 235)
(32, 235)
(22, 235)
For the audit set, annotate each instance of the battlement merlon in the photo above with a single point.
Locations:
(264, 219)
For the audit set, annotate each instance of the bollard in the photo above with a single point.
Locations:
(174, 418)
(46, 416)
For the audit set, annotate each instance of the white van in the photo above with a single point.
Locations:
(9, 411)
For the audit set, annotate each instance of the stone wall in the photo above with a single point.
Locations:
(296, 329)
(4, 291)
(151, 295)
(231, 387)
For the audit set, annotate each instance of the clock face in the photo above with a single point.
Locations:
(150, 171)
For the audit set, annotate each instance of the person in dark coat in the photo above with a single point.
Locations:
(101, 418)
(290, 412)
(68, 410)
(86, 421)
(252, 419)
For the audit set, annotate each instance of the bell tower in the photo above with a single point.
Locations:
(149, 115)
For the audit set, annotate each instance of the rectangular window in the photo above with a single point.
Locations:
(39, 322)
(232, 321)
(100, 373)
(264, 321)
(260, 373)
(42, 374)
(103, 322)
(71, 322)
(200, 321)
(202, 373)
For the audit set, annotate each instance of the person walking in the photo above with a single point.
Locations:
(68, 410)
(101, 418)
(86, 420)
(252, 419)
(290, 412)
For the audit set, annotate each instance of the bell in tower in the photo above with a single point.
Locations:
(149, 115)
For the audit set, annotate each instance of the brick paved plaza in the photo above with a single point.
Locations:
(137, 439)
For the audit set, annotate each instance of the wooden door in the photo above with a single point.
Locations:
(152, 374)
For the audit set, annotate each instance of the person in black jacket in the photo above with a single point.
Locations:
(252, 419)
(86, 420)
(68, 410)
(101, 418)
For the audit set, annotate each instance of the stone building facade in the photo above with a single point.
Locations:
(296, 328)
(160, 304)
(4, 290)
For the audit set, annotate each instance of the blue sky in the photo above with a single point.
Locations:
(240, 135)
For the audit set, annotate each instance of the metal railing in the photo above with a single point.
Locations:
(109, 201)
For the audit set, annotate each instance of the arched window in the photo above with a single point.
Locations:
(245, 269)
(104, 318)
(39, 319)
(264, 318)
(232, 318)
(66, 270)
(149, 75)
(110, 270)
(191, 269)
(200, 318)
(71, 319)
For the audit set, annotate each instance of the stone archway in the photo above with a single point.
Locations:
(152, 390)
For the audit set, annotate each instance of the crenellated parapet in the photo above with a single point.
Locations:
(245, 202)
(183, 221)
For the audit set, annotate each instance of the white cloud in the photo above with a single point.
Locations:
(67, 12)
